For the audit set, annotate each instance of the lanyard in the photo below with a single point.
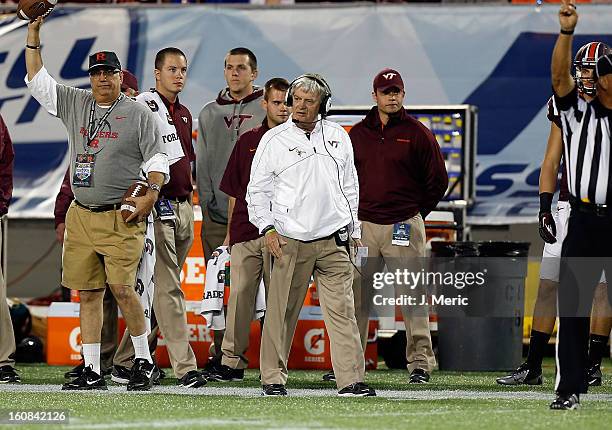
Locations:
(92, 134)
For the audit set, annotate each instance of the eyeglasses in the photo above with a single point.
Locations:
(104, 72)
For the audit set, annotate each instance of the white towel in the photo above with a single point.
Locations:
(171, 143)
(260, 301)
(145, 282)
(214, 290)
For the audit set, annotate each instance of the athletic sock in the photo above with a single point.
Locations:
(598, 348)
(141, 347)
(537, 345)
(91, 356)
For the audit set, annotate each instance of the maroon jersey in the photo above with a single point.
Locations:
(400, 167)
(180, 185)
(235, 180)
(7, 155)
(63, 200)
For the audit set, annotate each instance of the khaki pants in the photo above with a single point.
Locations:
(288, 287)
(213, 234)
(7, 337)
(250, 261)
(173, 241)
(377, 238)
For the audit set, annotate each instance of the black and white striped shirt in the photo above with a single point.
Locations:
(586, 147)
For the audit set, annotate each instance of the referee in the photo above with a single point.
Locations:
(586, 138)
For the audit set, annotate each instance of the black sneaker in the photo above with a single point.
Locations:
(522, 375)
(226, 374)
(273, 390)
(358, 389)
(329, 376)
(76, 371)
(121, 374)
(212, 366)
(8, 375)
(87, 380)
(566, 403)
(594, 376)
(143, 374)
(192, 379)
(418, 376)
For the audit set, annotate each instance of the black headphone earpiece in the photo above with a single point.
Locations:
(325, 100)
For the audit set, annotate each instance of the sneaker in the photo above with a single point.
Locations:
(143, 374)
(418, 376)
(192, 379)
(358, 389)
(273, 390)
(210, 368)
(162, 374)
(87, 380)
(157, 375)
(225, 373)
(594, 376)
(121, 374)
(329, 376)
(8, 375)
(76, 371)
(566, 403)
(522, 375)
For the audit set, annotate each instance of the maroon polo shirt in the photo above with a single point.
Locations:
(400, 167)
(235, 180)
(63, 200)
(180, 185)
(7, 155)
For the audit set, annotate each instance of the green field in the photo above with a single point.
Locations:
(451, 401)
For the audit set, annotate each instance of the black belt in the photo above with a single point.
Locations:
(591, 208)
(176, 199)
(102, 208)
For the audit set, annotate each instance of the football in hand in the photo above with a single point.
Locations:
(137, 189)
(29, 10)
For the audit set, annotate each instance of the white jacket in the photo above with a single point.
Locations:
(299, 188)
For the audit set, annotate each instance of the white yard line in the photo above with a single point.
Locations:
(211, 390)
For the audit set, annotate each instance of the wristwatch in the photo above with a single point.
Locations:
(155, 187)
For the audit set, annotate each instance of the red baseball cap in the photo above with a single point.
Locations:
(129, 81)
(388, 78)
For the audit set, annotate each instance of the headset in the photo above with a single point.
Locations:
(325, 99)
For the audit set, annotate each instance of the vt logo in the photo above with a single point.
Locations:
(333, 143)
(389, 76)
(241, 119)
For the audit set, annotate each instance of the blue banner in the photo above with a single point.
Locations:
(494, 57)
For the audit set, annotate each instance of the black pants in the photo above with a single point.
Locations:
(586, 251)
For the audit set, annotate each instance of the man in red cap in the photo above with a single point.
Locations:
(402, 177)
(129, 87)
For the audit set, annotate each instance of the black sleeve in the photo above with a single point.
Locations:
(567, 102)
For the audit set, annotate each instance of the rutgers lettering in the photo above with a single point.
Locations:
(101, 134)
(241, 119)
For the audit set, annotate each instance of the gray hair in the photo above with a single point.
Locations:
(309, 85)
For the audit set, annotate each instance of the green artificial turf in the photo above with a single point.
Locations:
(475, 408)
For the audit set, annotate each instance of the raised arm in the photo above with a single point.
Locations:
(32, 53)
(562, 80)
